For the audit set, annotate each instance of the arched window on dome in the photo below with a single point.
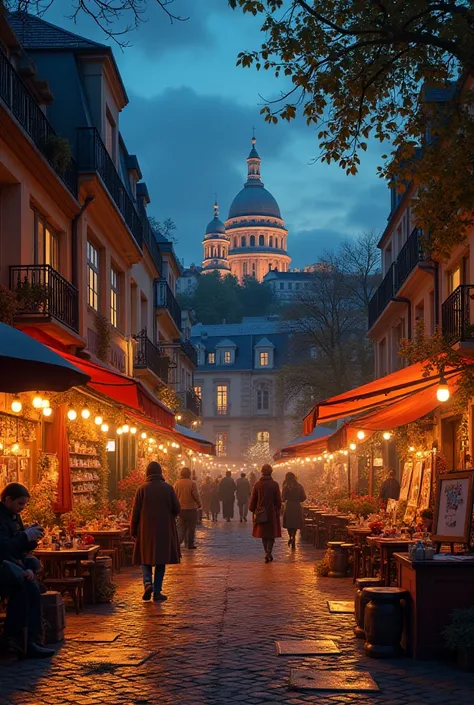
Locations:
(235, 243)
(252, 241)
(243, 242)
(270, 242)
(261, 241)
(281, 243)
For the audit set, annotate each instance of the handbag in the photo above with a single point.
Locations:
(260, 516)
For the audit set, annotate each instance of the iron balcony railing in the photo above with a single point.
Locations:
(188, 348)
(147, 356)
(457, 314)
(92, 155)
(409, 257)
(164, 298)
(190, 401)
(22, 103)
(42, 292)
(150, 239)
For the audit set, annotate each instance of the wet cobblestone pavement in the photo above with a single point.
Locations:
(213, 641)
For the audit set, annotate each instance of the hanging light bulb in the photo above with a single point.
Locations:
(442, 392)
(37, 401)
(178, 417)
(45, 403)
(119, 431)
(165, 450)
(72, 414)
(104, 427)
(360, 435)
(352, 446)
(98, 420)
(144, 435)
(125, 428)
(16, 447)
(160, 447)
(17, 406)
(331, 457)
(411, 449)
(345, 452)
(85, 413)
(133, 430)
(387, 436)
(47, 411)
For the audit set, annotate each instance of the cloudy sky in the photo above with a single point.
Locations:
(190, 120)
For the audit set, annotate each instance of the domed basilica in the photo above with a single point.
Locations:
(252, 241)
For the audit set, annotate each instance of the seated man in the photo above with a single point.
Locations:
(23, 625)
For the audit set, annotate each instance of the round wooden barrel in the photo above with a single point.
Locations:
(360, 603)
(337, 560)
(383, 621)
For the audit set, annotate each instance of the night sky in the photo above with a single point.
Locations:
(190, 119)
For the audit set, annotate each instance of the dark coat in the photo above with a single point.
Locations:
(266, 495)
(293, 513)
(243, 490)
(153, 523)
(206, 489)
(215, 504)
(390, 489)
(14, 544)
(227, 489)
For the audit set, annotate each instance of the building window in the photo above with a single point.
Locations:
(244, 269)
(222, 399)
(270, 242)
(297, 286)
(211, 358)
(261, 241)
(263, 437)
(252, 241)
(227, 357)
(253, 270)
(243, 242)
(282, 285)
(92, 276)
(46, 243)
(114, 297)
(235, 242)
(263, 359)
(290, 285)
(198, 392)
(262, 400)
(221, 444)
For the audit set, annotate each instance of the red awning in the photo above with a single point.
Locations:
(303, 448)
(194, 441)
(398, 386)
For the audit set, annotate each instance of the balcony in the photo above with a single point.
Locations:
(190, 402)
(189, 350)
(44, 294)
(164, 298)
(92, 156)
(22, 103)
(146, 356)
(150, 240)
(409, 257)
(457, 315)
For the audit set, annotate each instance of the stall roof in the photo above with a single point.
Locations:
(194, 440)
(315, 442)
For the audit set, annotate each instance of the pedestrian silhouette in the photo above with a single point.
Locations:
(243, 496)
(227, 489)
(293, 495)
(265, 503)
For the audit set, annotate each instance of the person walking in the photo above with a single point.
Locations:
(227, 489)
(390, 487)
(153, 526)
(188, 495)
(265, 503)
(206, 489)
(292, 495)
(215, 501)
(252, 480)
(243, 496)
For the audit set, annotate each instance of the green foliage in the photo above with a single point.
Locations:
(8, 305)
(58, 152)
(360, 506)
(460, 633)
(104, 335)
(43, 495)
(166, 227)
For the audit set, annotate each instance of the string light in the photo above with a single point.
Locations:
(133, 430)
(119, 431)
(47, 411)
(72, 414)
(442, 392)
(104, 427)
(178, 417)
(143, 435)
(360, 435)
(331, 457)
(411, 449)
(16, 447)
(85, 413)
(352, 446)
(17, 406)
(37, 401)
(125, 428)
(99, 419)
(387, 436)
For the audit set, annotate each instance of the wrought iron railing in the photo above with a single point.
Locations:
(92, 155)
(147, 356)
(188, 348)
(382, 296)
(190, 401)
(457, 314)
(150, 239)
(164, 298)
(22, 103)
(43, 292)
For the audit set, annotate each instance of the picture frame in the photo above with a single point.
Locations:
(453, 512)
(415, 485)
(406, 480)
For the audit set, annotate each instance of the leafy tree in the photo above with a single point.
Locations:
(361, 69)
(166, 227)
(256, 297)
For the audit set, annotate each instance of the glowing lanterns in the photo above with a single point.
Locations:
(442, 392)
(125, 428)
(331, 457)
(178, 417)
(352, 446)
(16, 447)
(37, 401)
(411, 449)
(387, 435)
(360, 435)
(133, 430)
(119, 431)
(47, 411)
(17, 406)
(85, 413)
(104, 427)
(98, 420)
(345, 452)
(71, 414)
(144, 435)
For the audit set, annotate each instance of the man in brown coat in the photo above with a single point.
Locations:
(188, 496)
(153, 525)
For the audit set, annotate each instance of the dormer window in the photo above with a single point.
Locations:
(225, 351)
(227, 357)
(211, 358)
(264, 359)
(264, 354)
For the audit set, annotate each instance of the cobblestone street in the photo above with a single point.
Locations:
(213, 641)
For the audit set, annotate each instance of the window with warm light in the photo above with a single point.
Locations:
(92, 276)
(211, 358)
(264, 359)
(227, 357)
(263, 400)
(245, 269)
(221, 444)
(114, 297)
(263, 437)
(46, 243)
(198, 392)
(222, 396)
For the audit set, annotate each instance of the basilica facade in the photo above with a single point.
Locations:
(253, 239)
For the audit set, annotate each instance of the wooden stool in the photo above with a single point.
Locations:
(360, 602)
(88, 570)
(383, 621)
(127, 551)
(337, 560)
(113, 554)
(73, 586)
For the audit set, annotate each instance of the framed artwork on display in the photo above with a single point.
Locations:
(406, 480)
(425, 491)
(415, 486)
(410, 514)
(452, 520)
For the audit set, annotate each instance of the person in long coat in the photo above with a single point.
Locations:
(293, 495)
(153, 525)
(215, 501)
(266, 498)
(227, 489)
(206, 488)
(243, 496)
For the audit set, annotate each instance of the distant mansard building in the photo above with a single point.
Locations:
(287, 286)
(253, 240)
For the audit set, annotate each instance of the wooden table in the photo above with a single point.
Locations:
(359, 534)
(387, 548)
(108, 539)
(57, 559)
(436, 588)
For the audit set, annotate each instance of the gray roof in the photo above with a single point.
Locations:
(245, 350)
(254, 199)
(249, 326)
(215, 226)
(293, 276)
(35, 33)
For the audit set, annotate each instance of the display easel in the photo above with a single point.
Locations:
(454, 501)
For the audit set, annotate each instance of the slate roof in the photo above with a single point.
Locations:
(287, 276)
(35, 33)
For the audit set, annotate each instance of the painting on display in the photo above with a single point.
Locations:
(392, 506)
(415, 486)
(406, 480)
(452, 521)
(425, 491)
(410, 514)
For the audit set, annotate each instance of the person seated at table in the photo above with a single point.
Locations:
(23, 627)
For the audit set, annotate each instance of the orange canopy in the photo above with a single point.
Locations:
(404, 384)
(303, 448)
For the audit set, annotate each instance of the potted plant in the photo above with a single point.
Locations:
(459, 637)
(58, 152)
